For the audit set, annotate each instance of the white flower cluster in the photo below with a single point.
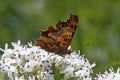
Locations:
(109, 75)
(75, 65)
(28, 62)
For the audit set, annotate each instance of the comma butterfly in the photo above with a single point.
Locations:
(58, 40)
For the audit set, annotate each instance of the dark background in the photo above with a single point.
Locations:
(97, 35)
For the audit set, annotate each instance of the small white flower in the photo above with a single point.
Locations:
(31, 77)
(109, 75)
(13, 76)
(46, 76)
(56, 59)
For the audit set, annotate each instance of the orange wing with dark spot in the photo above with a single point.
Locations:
(58, 40)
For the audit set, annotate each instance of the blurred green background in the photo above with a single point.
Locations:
(97, 35)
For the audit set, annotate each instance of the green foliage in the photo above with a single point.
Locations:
(98, 32)
(57, 74)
